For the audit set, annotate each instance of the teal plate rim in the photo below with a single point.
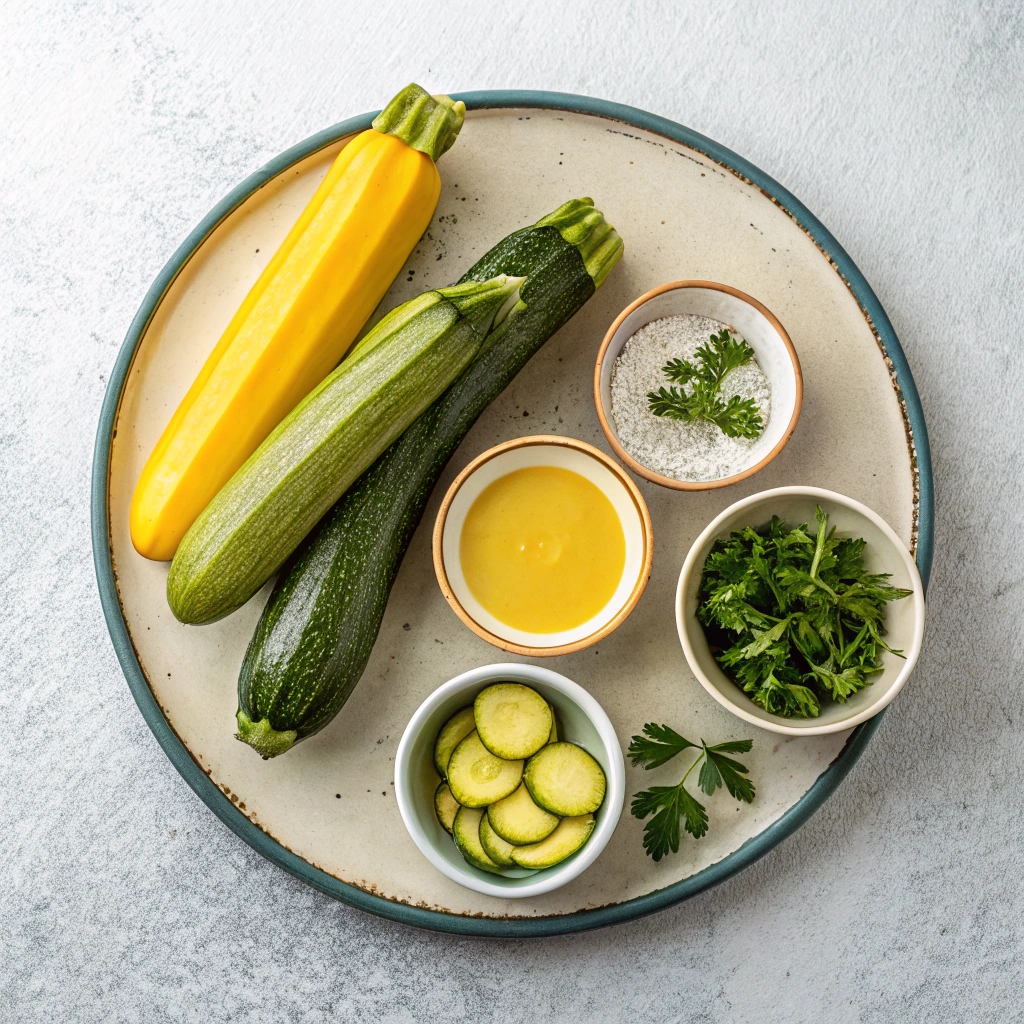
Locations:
(207, 790)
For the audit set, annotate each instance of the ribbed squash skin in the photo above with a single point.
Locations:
(320, 624)
(295, 324)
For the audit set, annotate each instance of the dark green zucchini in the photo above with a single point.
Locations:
(318, 628)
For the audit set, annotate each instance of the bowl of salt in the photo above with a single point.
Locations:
(697, 386)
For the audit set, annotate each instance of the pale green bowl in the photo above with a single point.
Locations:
(580, 719)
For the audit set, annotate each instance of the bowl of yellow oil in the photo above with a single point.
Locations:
(543, 545)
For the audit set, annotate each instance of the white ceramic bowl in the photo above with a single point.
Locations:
(885, 552)
(543, 450)
(772, 347)
(580, 719)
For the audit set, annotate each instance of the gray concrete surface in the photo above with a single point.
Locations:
(899, 124)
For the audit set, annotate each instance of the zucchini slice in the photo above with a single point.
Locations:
(445, 806)
(565, 780)
(494, 846)
(466, 833)
(553, 737)
(570, 835)
(478, 778)
(452, 733)
(512, 720)
(518, 820)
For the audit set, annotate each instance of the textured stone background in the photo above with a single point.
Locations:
(899, 124)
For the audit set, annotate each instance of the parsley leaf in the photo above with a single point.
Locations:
(717, 768)
(671, 804)
(660, 744)
(738, 417)
(793, 617)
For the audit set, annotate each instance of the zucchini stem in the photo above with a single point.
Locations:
(263, 737)
(584, 227)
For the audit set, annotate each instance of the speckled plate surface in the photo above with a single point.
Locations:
(686, 208)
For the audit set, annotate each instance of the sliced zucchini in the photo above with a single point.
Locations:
(452, 733)
(478, 778)
(466, 833)
(570, 835)
(518, 820)
(445, 806)
(553, 736)
(513, 721)
(494, 846)
(565, 780)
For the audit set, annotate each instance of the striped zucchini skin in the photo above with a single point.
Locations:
(319, 626)
(332, 436)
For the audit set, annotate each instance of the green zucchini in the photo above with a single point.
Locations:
(323, 445)
(452, 733)
(445, 806)
(477, 778)
(570, 835)
(317, 630)
(493, 845)
(518, 820)
(565, 780)
(466, 833)
(512, 720)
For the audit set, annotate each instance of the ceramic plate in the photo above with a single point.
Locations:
(687, 209)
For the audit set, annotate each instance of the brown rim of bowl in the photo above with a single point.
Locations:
(538, 440)
(696, 485)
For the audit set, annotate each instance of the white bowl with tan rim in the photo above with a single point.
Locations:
(884, 552)
(743, 314)
(521, 453)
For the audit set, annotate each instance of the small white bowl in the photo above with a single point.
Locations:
(884, 552)
(760, 327)
(543, 450)
(580, 719)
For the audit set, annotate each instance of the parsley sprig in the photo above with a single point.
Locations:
(793, 617)
(671, 805)
(737, 417)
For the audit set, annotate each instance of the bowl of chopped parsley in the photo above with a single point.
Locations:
(801, 611)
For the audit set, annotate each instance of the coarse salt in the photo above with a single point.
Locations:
(696, 451)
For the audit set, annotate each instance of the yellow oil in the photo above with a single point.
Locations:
(542, 549)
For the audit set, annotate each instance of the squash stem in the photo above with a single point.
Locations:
(263, 737)
(430, 124)
(584, 227)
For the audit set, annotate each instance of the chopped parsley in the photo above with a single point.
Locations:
(793, 617)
